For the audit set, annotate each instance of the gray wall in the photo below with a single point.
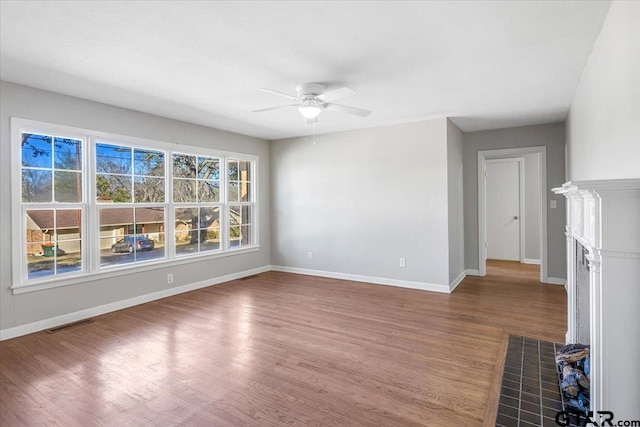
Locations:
(29, 103)
(551, 136)
(455, 201)
(360, 200)
(603, 125)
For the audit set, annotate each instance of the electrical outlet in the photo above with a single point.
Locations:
(170, 278)
(553, 204)
(403, 262)
(309, 255)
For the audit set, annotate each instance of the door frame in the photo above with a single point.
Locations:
(483, 156)
(521, 213)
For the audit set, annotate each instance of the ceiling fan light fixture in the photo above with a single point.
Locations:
(309, 109)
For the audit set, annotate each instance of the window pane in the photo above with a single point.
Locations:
(245, 235)
(68, 256)
(115, 227)
(184, 166)
(184, 190)
(144, 253)
(149, 190)
(208, 191)
(68, 186)
(115, 223)
(233, 192)
(53, 247)
(186, 230)
(246, 214)
(210, 229)
(68, 154)
(208, 168)
(113, 159)
(235, 217)
(36, 185)
(149, 163)
(244, 191)
(36, 150)
(113, 188)
(40, 226)
(244, 170)
(233, 170)
(209, 217)
(68, 224)
(234, 235)
(187, 216)
(149, 220)
(212, 242)
(116, 251)
(149, 233)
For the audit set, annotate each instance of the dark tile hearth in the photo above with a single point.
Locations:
(530, 395)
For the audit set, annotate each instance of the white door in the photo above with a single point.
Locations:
(503, 209)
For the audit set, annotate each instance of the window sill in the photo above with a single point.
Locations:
(123, 271)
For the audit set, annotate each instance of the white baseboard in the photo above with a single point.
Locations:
(41, 325)
(556, 281)
(531, 261)
(472, 272)
(369, 279)
(457, 280)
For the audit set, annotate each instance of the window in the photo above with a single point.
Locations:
(240, 205)
(130, 189)
(196, 193)
(93, 203)
(52, 204)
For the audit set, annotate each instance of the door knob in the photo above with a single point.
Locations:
(515, 217)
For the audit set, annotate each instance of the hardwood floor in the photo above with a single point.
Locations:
(282, 349)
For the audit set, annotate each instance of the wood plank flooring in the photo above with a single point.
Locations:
(282, 349)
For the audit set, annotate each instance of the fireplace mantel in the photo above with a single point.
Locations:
(604, 216)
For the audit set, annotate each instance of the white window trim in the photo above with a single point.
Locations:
(91, 269)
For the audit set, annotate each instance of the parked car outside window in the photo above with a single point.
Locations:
(131, 243)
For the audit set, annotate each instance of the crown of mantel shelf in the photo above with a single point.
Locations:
(598, 186)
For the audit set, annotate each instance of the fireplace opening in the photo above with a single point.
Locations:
(583, 329)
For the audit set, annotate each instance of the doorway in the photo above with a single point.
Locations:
(504, 180)
(504, 162)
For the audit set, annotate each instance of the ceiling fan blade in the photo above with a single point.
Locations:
(339, 93)
(346, 109)
(275, 92)
(273, 108)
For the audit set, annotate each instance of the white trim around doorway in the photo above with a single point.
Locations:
(511, 153)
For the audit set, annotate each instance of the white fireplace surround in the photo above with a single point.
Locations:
(604, 216)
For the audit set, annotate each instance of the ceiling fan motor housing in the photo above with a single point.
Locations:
(309, 90)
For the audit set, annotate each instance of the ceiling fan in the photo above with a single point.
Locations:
(312, 99)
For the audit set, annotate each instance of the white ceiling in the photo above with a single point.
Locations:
(484, 64)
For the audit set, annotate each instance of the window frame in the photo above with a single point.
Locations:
(90, 227)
